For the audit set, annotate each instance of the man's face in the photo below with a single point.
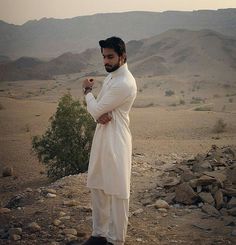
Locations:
(112, 61)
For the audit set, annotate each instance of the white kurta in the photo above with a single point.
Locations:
(110, 158)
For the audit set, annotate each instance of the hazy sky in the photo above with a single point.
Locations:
(20, 11)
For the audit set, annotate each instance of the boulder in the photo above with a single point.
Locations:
(185, 194)
(206, 197)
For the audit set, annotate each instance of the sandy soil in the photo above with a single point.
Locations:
(161, 131)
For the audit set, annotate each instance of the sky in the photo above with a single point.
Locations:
(21, 11)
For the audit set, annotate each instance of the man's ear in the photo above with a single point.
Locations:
(123, 58)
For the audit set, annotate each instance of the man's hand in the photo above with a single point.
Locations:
(105, 118)
(89, 82)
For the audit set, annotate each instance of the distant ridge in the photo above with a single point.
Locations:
(50, 37)
(204, 53)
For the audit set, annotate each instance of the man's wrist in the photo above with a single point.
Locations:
(87, 90)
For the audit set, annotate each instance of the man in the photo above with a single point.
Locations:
(110, 159)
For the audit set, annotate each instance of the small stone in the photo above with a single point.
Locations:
(51, 191)
(161, 204)
(65, 218)
(200, 204)
(34, 227)
(50, 195)
(199, 188)
(207, 198)
(71, 203)
(138, 211)
(15, 237)
(62, 214)
(162, 210)
(70, 232)
(29, 189)
(5, 210)
(70, 238)
(56, 222)
(7, 171)
(219, 199)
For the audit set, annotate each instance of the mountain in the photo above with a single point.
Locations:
(27, 68)
(184, 52)
(206, 54)
(53, 37)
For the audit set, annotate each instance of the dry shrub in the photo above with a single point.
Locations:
(220, 126)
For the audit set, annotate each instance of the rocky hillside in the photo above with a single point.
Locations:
(53, 37)
(179, 201)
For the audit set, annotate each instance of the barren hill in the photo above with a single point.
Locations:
(53, 37)
(206, 54)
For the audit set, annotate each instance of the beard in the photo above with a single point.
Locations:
(111, 68)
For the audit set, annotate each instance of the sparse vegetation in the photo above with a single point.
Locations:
(220, 126)
(229, 95)
(65, 146)
(169, 92)
(231, 100)
(197, 100)
(203, 108)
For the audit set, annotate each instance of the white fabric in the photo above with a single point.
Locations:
(110, 216)
(110, 157)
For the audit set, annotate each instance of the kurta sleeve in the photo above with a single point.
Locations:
(115, 96)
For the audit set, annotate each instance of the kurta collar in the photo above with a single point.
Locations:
(120, 70)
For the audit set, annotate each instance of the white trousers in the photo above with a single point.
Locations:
(110, 216)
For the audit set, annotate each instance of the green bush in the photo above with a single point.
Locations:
(65, 146)
(169, 92)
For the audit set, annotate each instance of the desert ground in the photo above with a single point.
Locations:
(165, 129)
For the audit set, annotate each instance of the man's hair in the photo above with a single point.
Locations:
(115, 43)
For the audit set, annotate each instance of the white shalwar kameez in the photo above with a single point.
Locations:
(110, 159)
